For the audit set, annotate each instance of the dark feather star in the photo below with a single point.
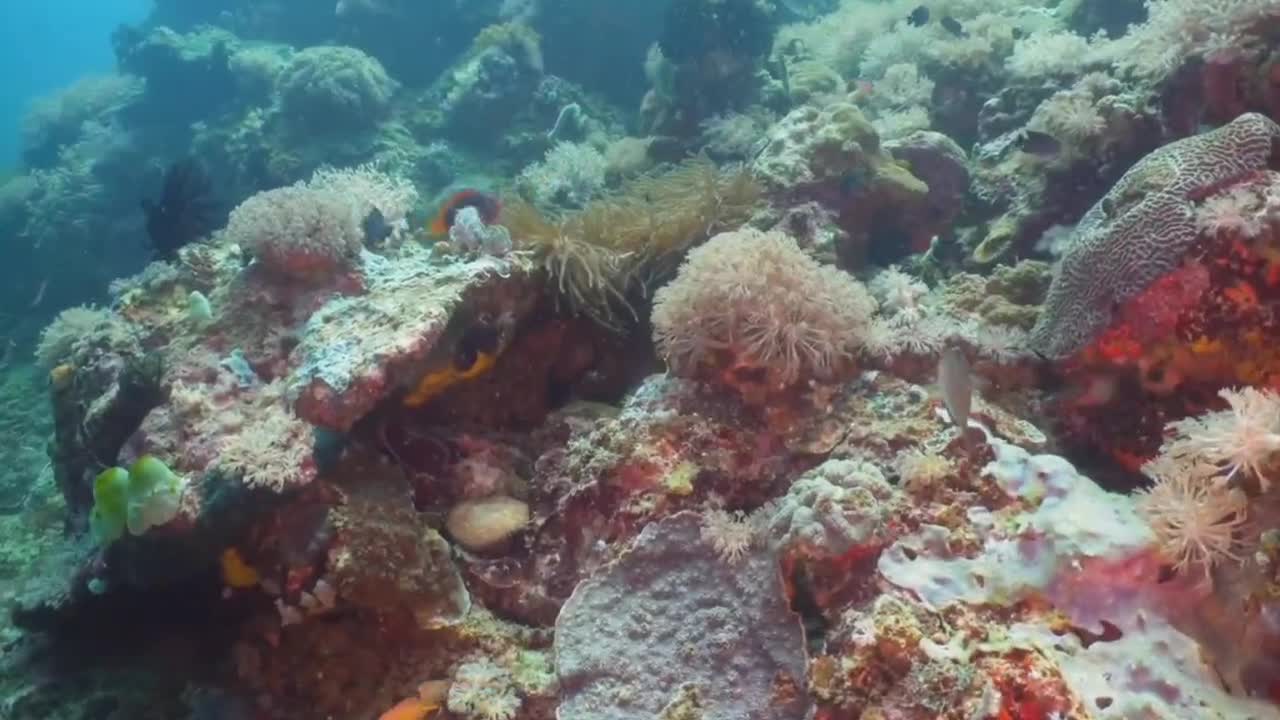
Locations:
(185, 211)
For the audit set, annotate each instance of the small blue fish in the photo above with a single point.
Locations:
(953, 26)
(376, 228)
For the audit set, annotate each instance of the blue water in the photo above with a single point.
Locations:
(46, 44)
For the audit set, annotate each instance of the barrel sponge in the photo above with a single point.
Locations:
(335, 88)
(298, 232)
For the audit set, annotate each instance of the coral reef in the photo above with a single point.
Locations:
(819, 359)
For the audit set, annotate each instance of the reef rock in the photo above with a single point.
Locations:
(385, 556)
(672, 628)
(833, 155)
(354, 352)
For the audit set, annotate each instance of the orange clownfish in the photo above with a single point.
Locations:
(474, 355)
(487, 205)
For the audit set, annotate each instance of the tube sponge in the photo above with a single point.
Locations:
(137, 499)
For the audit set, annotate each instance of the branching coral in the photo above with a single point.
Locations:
(570, 174)
(1048, 53)
(369, 188)
(54, 121)
(1070, 115)
(1177, 30)
(903, 86)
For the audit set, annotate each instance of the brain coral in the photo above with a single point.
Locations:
(335, 88)
(1142, 227)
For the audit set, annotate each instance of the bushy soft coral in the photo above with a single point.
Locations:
(1245, 437)
(297, 232)
(78, 330)
(1198, 505)
(1194, 520)
(759, 299)
(570, 174)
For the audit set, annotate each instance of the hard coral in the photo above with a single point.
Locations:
(754, 300)
(386, 558)
(335, 89)
(1141, 229)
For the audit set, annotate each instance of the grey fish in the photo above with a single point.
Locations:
(956, 384)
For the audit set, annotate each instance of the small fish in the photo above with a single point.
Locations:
(853, 181)
(376, 228)
(953, 26)
(479, 340)
(487, 205)
(39, 298)
(473, 355)
(409, 709)
(919, 16)
(1108, 207)
(236, 573)
(956, 383)
(1040, 144)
